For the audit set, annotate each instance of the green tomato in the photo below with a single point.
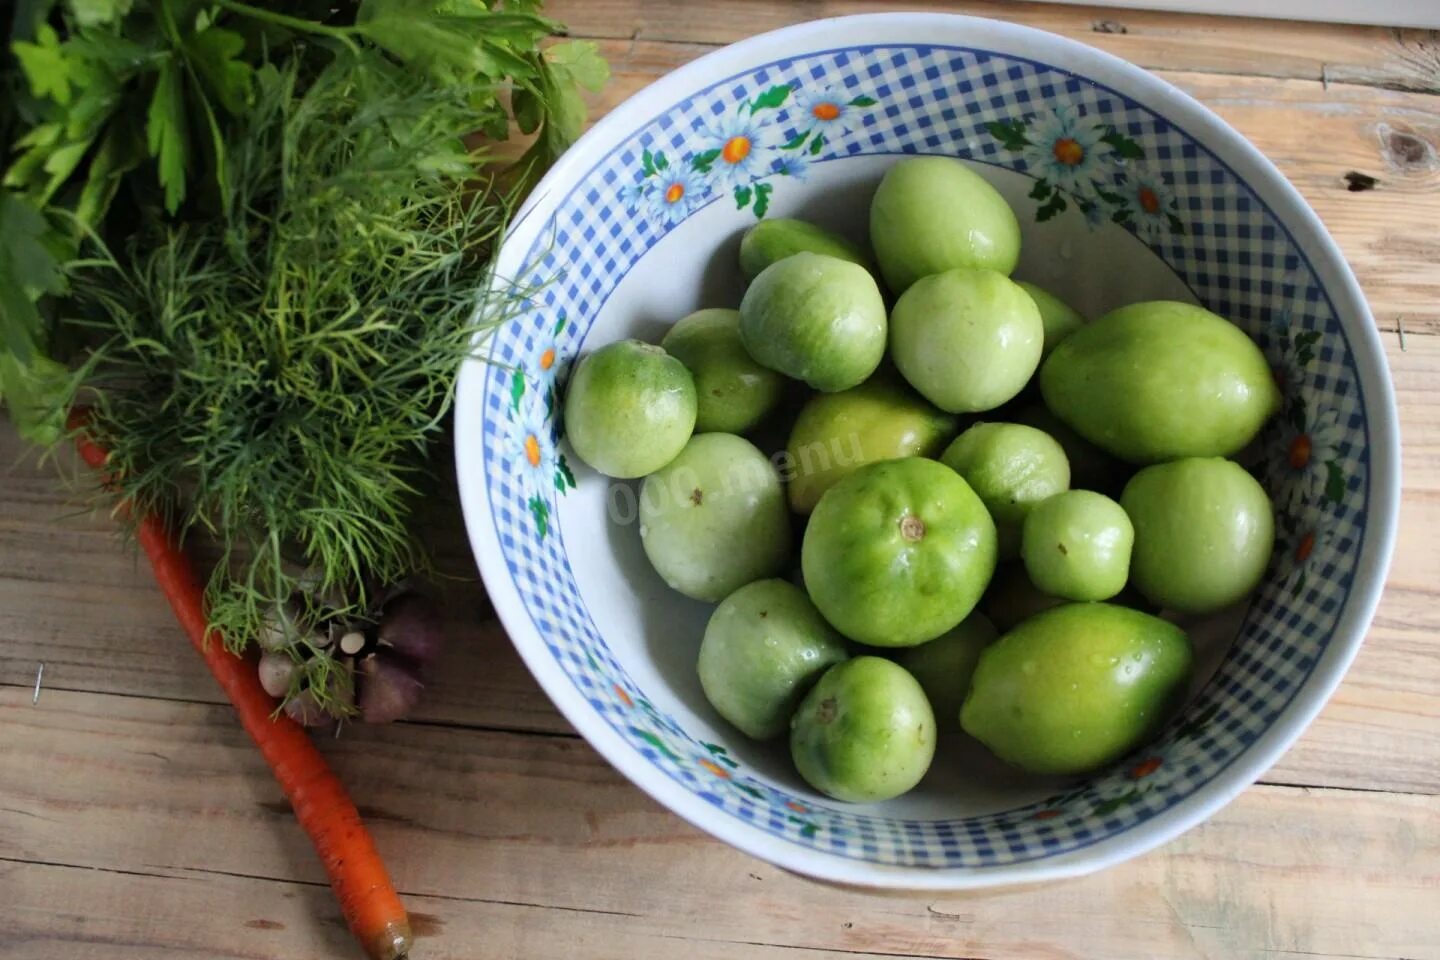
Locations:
(763, 648)
(944, 665)
(1059, 318)
(629, 409)
(1077, 687)
(1011, 467)
(968, 340)
(898, 552)
(864, 733)
(1090, 467)
(837, 433)
(1160, 381)
(733, 393)
(815, 318)
(772, 240)
(930, 214)
(714, 518)
(1012, 598)
(1077, 545)
(1204, 529)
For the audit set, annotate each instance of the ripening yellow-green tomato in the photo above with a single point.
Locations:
(837, 433)
(1076, 687)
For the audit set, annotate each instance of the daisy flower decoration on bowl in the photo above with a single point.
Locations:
(1302, 532)
(739, 149)
(1309, 468)
(1145, 202)
(1092, 166)
(777, 132)
(532, 438)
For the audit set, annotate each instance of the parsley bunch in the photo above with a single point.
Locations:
(253, 238)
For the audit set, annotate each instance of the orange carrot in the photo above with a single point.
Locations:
(322, 806)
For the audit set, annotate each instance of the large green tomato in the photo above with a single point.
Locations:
(772, 240)
(944, 665)
(629, 409)
(1060, 319)
(898, 552)
(1159, 381)
(714, 518)
(1077, 545)
(815, 318)
(930, 214)
(1011, 467)
(1074, 688)
(763, 648)
(968, 340)
(732, 391)
(837, 433)
(864, 733)
(1204, 529)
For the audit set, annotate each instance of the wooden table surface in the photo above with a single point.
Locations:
(136, 821)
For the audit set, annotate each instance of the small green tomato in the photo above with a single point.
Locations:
(1077, 545)
(629, 409)
(864, 733)
(714, 518)
(1011, 467)
(733, 393)
(1204, 529)
(968, 340)
(815, 318)
(763, 648)
(775, 239)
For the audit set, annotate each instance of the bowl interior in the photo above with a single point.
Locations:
(640, 224)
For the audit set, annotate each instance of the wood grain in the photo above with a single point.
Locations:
(136, 821)
(488, 823)
(1375, 56)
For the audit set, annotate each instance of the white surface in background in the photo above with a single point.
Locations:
(1390, 13)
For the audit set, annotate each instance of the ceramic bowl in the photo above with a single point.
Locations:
(638, 224)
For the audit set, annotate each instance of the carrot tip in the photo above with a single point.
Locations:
(391, 942)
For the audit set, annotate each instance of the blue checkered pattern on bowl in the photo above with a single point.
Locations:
(1222, 240)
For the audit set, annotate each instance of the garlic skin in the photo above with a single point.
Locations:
(303, 709)
(277, 671)
(389, 688)
(411, 626)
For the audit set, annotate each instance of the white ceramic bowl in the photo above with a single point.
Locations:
(638, 225)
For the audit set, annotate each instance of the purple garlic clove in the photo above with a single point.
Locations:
(411, 626)
(303, 709)
(389, 689)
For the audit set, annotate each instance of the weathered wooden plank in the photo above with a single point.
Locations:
(78, 913)
(1377, 56)
(174, 792)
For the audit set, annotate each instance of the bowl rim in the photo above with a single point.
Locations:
(1292, 213)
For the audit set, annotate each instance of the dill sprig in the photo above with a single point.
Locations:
(272, 376)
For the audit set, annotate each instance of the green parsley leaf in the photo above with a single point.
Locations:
(580, 61)
(215, 55)
(166, 133)
(95, 13)
(44, 65)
